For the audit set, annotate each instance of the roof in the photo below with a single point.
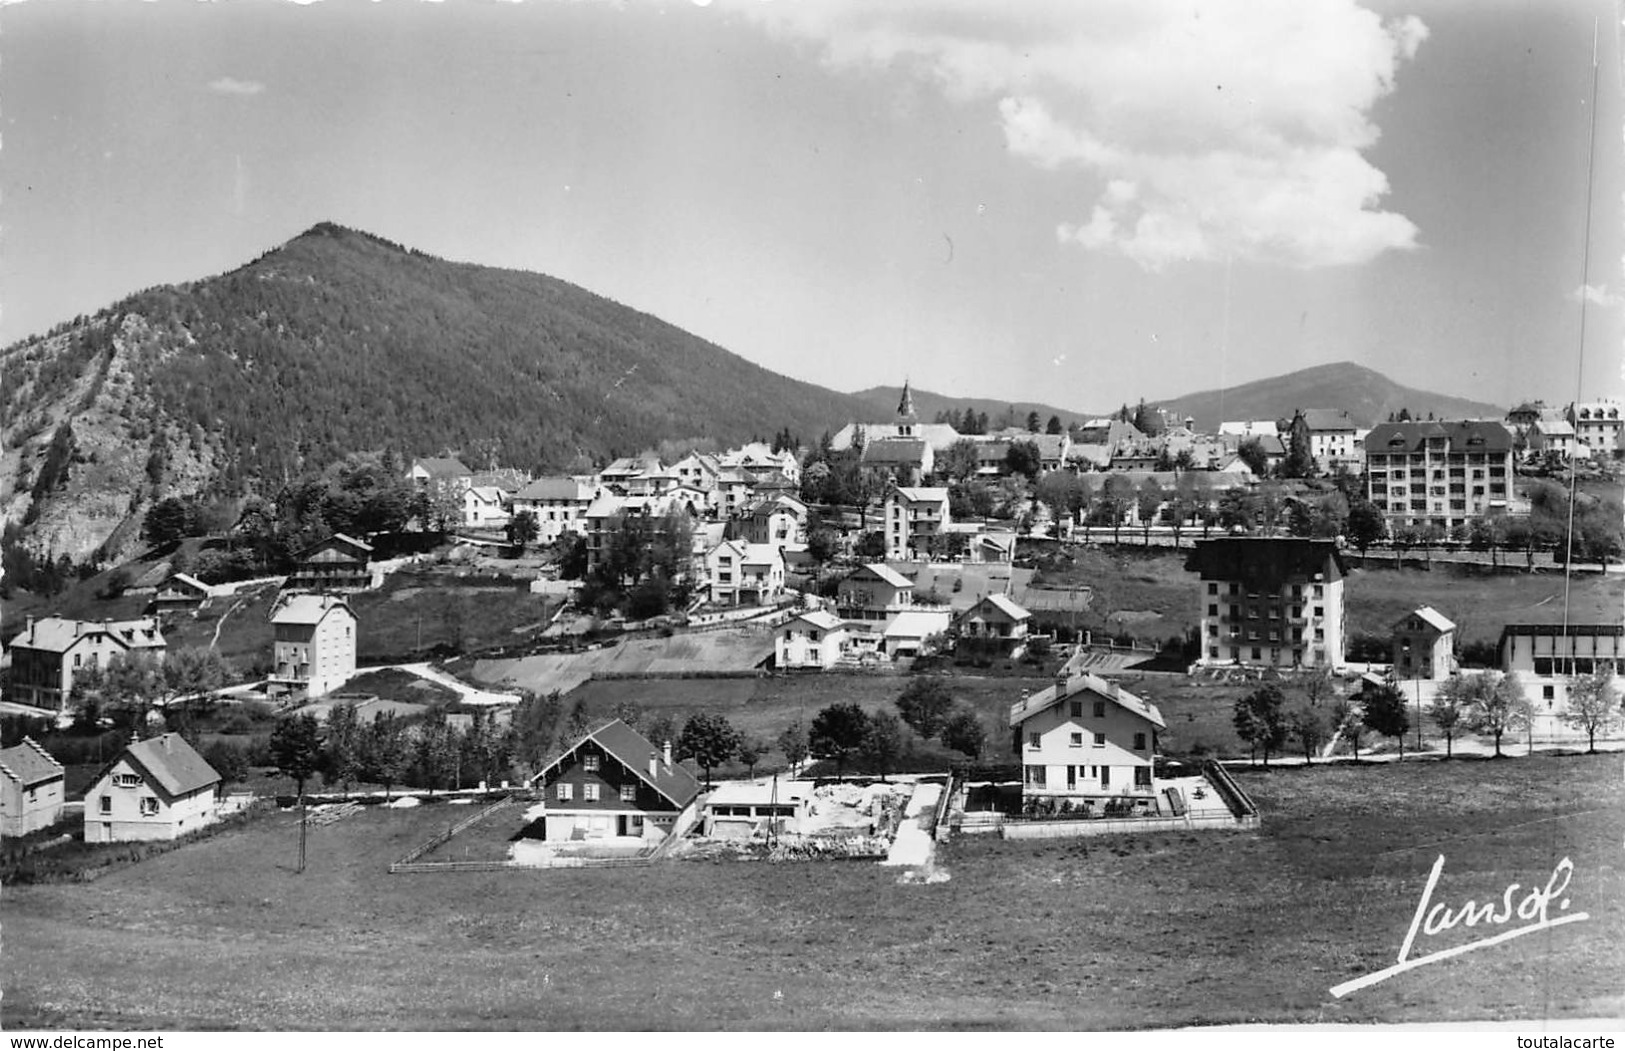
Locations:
(734, 793)
(632, 750)
(187, 581)
(58, 634)
(1089, 452)
(822, 619)
(1086, 682)
(171, 764)
(29, 764)
(886, 574)
(1576, 630)
(1050, 446)
(508, 479)
(1267, 562)
(488, 493)
(916, 624)
(632, 465)
(308, 609)
(923, 494)
(939, 435)
(1249, 428)
(895, 450)
(442, 467)
(1432, 618)
(1463, 435)
(341, 538)
(1328, 420)
(1003, 603)
(564, 488)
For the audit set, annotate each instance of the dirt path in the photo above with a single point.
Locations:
(914, 844)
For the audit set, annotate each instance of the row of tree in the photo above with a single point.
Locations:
(1486, 702)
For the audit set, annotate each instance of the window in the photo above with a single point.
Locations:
(1257, 654)
(564, 792)
(1320, 611)
(127, 780)
(149, 806)
(589, 793)
(1548, 693)
(589, 763)
(1100, 709)
(1318, 591)
(1100, 740)
(1142, 777)
(1139, 742)
(1213, 610)
(1213, 651)
(1077, 740)
(629, 793)
(1034, 741)
(107, 804)
(1212, 589)
(1034, 776)
(1077, 709)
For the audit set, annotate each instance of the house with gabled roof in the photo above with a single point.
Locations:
(484, 507)
(315, 645)
(614, 783)
(446, 471)
(620, 472)
(699, 470)
(1086, 738)
(744, 574)
(874, 591)
(338, 564)
(815, 639)
(180, 593)
(1424, 645)
(780, 520)
(50, 651)
(31, 788)
(160, 788)
(557, 504)
(995, 618)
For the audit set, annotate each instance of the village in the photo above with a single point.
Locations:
(704, 576)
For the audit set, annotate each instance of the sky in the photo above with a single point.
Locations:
(1079, 202)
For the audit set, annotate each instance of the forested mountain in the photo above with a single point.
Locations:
(1367, 395)
(340, 341)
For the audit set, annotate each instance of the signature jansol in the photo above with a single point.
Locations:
(1534, 908)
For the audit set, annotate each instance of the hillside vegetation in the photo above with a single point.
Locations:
(339, 341)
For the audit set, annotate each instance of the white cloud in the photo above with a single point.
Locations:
(1205, 130)
(1596, 295)
(233, 86)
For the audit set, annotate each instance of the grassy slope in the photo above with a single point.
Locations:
(1111, 933)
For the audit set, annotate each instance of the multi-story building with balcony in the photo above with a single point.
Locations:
(915, 518)
(1270, 601)
(1439, 473)
(1086, 739)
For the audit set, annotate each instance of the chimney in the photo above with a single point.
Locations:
(29, 627)
(667, 751)
(1060, 680)
(654, 763)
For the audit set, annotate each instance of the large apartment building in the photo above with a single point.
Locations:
(915, 517)
(1438, 473)
(1270, 601)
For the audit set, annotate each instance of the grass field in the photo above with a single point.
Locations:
(1115, 933)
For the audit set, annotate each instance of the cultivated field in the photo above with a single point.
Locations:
(1106, 933)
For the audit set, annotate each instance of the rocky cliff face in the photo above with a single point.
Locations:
(87, 377)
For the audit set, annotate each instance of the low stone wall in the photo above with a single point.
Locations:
(1106, 826)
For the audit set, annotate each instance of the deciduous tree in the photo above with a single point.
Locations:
(1386, 714)
(837, 732)
(925, 704)
(882, 741)
(963, 732)
(792, 741)
(709, 740)
(1593, 705)
(1503, 710)
(296, 749)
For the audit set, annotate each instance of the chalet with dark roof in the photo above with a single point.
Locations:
(1270, 601)
(179, 594)
(160, 788)
(614, 783)
(337, 565)
(31, 789)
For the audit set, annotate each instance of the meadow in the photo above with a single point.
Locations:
(1111, 933)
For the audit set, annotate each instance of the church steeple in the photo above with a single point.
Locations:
(906, 419)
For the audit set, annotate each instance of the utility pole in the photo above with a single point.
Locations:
(303, 823)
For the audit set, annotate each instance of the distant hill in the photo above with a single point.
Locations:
(1367, 395)
(883, 403)
(340, 341)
